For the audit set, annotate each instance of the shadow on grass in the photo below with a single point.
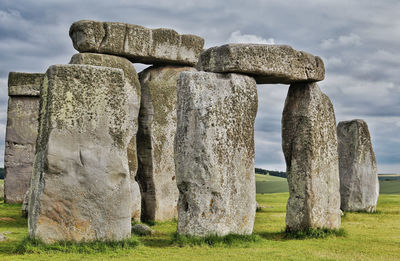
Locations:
(311, 233)
(231, 240)
(34, 246)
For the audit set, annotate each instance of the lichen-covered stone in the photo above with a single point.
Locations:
(24, 208)
(131, 77)
(309, 144)
(266, 63)
(21, 133)
(80, 187)
(214, 153)
(137, 43)
(359, 185)
(157, 128)
(24, 84)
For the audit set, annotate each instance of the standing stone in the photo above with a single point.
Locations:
(135, 42)
(21, 133)
(214, 153)
(131, 78)
(80, 187)
(157, 128)
(309, 144)
(266, 63)
(359, 185)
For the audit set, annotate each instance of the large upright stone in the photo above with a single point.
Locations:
(157, 128)
(359, 185)
(131, 78)
(137, 43)
(80, 187)
(214, 153)
(309, 144)
(266, 63)
(21, 133)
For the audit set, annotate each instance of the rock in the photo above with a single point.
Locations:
(157, 128)
(266, 63)
(142, 230)
(1, 191)
(214, 153)
(131, 77)
(80, 187)
(137, 43)
(309, 144)
(21, 133)
(359, 185)
(24, 208)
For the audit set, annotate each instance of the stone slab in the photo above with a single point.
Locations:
(214, 153)
(131, 77)
(157, 128)
(21, 133)
(137, 43)
(309, 145)
(359, 185)
(266, 63)
(80, 187)
(24, 84)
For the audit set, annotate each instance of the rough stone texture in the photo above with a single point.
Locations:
(21, 133)
(266, 63)
(214, 153)
(309, 144)
(131, 77)
(142, 230)
(137, 43)
(24, 208)
(157, 128)
(359, 185)
(80, 187)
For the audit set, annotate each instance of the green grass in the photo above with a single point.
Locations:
(270, 184)
(365, 237)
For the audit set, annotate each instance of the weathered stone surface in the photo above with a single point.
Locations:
(21, 133)
(266, 63)
(309, 144)
(157, 128)
(80, 187)
(24, 84)
(359, 185)
(214, 153)
(137, 43)
(131, 77)
(24, 208)
(142, 230)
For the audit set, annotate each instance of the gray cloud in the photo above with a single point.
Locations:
(357, 40)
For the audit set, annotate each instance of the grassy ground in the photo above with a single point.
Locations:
(272, 184)
(369, 237)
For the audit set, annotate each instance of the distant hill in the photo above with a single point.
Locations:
(275, 173)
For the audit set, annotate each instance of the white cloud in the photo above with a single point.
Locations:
(342, 41)
(238, 37)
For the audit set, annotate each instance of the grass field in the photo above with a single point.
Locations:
(272, 184)
(369, 237)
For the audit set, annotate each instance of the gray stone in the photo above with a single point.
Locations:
(21, 133)
(157, 128)
(24, 208)
(131, 77)
(80, 187)
(137, 43)
(359, 185)
(309, 144)
(142, 230)
(266, 63)
(214, 153)
(1, 190)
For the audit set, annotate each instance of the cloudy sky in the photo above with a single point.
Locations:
(358, 40)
